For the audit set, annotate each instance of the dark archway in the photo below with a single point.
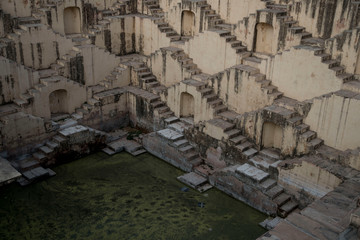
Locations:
(72, 20)
(272, 135)
(58, 101)
(187, 23)
(187, 105)
(264, 38)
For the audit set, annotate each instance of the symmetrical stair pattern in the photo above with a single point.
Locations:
(160, 21)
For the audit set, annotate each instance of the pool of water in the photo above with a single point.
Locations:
(121, 197)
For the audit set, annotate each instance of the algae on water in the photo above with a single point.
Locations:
(122, 197)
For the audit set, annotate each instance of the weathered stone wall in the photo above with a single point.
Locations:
(76, 96)
(335, 117)
(345, 48)
(238, 87)
(233, 11)
(98, 63)
(167, 69)
(111, 112)
(289, 76)
(20, 132)
(307, 177)
(38, 47)
(17, 8)
(326, 18)
(141, 113)
(219, 54)
(161, 148)
(251, 124)
(244, 193)
(15, 79)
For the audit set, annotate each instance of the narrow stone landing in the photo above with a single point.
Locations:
(8, 174)
(123, 144)
(195, 181)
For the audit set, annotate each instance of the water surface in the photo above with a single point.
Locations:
(121, 197)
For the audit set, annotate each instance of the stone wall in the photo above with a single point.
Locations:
(345, 48)
(326, 18)
(335, 117)
(20, 132)
(307, 177)
(289, 76)
(239, 88)
(15, 79)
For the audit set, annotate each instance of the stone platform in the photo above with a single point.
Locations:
(195, 181)
(8, 174)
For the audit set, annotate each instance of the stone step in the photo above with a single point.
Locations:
(220, 109)
(196, 162)
(170, 135)
(138, 152)
(223, 125)
(309, 135)
(162, 109)
(193, 180)
(58, 139)
(205, 91)
(180, 143)
(186, 149)
(215, 103)
(315, 143)
(261, 162)
(204, 170)
(171, 120)
(191, 155)
(287, 208)
(210, 97)
(238, 140)
(302, 128)
(274, 191)
(309, 225)
(46, 150)
(244, 146)
(271, 154)
(39, 156)
(108, 151)
(282, 199)
(35, 173)
(232, 133)
(166, 114)
(178, 126)
(267, 184)
(250, 153)
(254, 174)
(26, 164)
(295, 120)
(229, 116)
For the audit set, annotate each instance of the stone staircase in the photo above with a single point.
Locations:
(147, 80)
(218, 25)
(159, 19)
(31, 166)
(252, 65)
(184, 59)
(174, 134)
(317, 45)
(252, 175)
(211, 99)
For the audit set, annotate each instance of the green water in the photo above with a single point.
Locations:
(121, 197)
